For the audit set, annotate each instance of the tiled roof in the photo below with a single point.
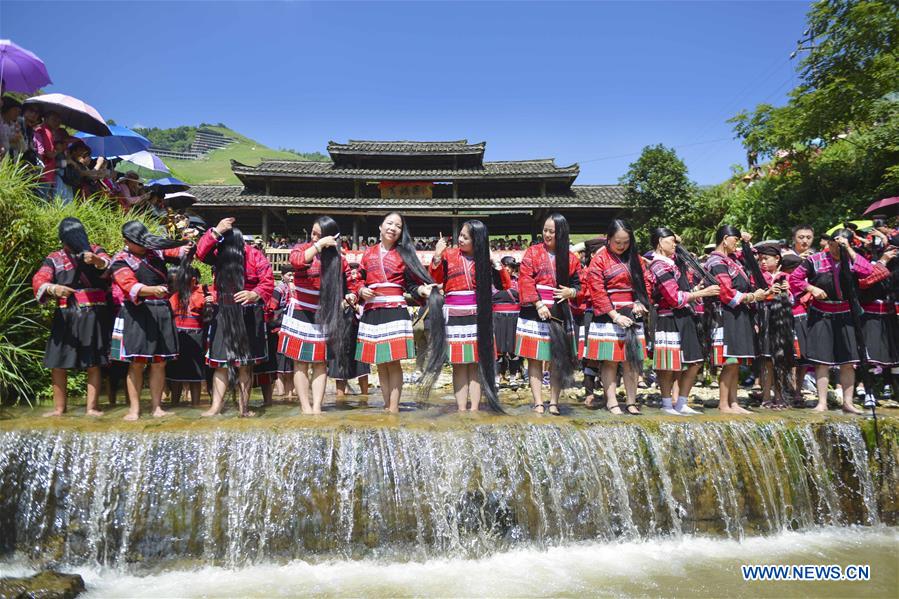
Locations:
(543, 168)
(401, 148)
(581, 196)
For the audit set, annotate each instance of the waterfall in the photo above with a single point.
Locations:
(234, 497)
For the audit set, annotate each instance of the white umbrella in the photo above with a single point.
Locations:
(147, 160)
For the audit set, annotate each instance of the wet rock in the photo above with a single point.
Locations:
(43, 585)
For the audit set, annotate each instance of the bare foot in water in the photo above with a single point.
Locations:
(160, 413)
(737, 408)
(726, 410)
(851, 409)
(210, 412)
(94, 413)
(131, 416)
(53, 413)
(820, 408)
(248, 414)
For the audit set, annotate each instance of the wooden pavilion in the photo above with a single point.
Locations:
(437, 185)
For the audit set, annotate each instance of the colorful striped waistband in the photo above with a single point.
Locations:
(461, 299)
(830, 307)
(879, 307)
(546, 295)
(507, 308)
(84, 298)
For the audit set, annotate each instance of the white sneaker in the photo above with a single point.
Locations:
(671, 412)
(687, 411)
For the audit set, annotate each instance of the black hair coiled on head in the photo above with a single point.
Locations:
(229, 279)
(563, 360)
(434, 356)
(480, 243)
(182, 279)
(633, 351)
(73, 236)
(330, 315)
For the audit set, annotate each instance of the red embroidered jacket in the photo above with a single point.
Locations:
(376, 268)
(192, 317)
(538, 267)
(132, 272)
(307, 277)
(822, 270)
(457, 273)
(732, 278)
(671, 290)
(58, 268)
(610, 282)
(258, 275)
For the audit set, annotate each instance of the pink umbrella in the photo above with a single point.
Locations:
(74, 113)
(881, 204)
(20, 70)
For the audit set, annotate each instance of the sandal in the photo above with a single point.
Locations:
(554, 410)
(608, 408)
(632, 406)
(539, 409)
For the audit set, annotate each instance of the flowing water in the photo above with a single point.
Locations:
(459, 506)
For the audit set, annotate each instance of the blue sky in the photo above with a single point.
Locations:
(587, 82)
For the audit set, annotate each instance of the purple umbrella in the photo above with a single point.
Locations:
(884, 203)
(74, 113)
(20, 70)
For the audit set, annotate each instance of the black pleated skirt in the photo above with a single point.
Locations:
(79, 338)
(831, 338)
(189, 366)
(504, 324)
(219, 355)
(880, 338)
(145, 332)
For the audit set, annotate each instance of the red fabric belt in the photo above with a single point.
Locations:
(86, 298)
(830, 307)
(506, 307)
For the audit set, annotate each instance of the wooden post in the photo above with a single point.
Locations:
(354, 244)
(265, 225)
(455, 229)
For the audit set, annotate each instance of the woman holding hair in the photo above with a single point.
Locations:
(678, 349)
(79, 336)
(778, 345)
(549, 279)
(831, 277)
(386, 270)
(242, 285)
(733, 336)
(313, 322)
(619, 294)
(144, 331)
(468, 276)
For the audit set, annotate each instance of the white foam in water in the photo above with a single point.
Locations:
(695, 566)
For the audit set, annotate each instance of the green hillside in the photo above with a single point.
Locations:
(215, 168)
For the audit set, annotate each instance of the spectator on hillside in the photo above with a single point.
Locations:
(12, 138)
(47, 136)
(130, 189)
(79, 177)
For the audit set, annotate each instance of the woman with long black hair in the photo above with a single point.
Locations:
(468, 275)
(386, 270)
(831, 277)
(243, 283)
(549, 279)
(778, 346)
(79, 336)
(189, 305)
(144, 331)
(678, 349)
(313, 322)
(505, 317)
(733, 332)
(619, 293)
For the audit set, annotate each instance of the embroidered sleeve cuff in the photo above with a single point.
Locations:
(42, 293)
(682, 299)
(736, 300)
(135, 291)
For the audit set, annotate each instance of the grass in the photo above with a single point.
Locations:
(215, 169)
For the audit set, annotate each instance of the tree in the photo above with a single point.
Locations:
(658, 190)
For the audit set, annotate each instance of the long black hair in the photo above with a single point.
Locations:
(434, 356)
(73, 236)
(230, 274)
(330, 314)
(781, 332)
(633, 351)
(850, 293)
(480, 243)
(182, 279)
(561, 326)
